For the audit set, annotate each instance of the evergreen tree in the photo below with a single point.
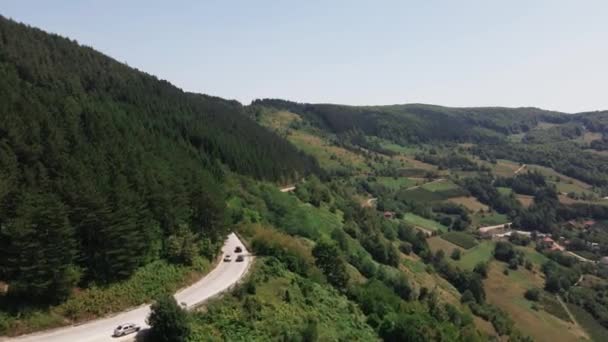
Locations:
(42, 249)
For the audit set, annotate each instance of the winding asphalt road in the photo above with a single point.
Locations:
(220, 279)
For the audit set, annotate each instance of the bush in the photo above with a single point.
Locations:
(455, 254)
(267, 241)
(504, 251)
(482, 269)
(533, 294)
(405, 248)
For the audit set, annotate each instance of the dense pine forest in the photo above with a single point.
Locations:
(101, 165)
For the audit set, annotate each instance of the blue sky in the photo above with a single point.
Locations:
(551, 54)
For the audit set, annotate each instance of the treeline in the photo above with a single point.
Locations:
(104, 168)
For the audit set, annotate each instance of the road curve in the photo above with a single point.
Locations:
(221, 278)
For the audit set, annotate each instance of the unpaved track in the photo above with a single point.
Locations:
(221, 278)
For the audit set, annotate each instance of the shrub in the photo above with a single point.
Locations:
(482, 269)
(405, 248)
(533, 294)
(267, 241)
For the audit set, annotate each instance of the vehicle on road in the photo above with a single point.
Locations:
(238, 249)
(227, 258)
(240, 258)
(125, 329)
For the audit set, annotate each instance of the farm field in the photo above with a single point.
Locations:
(504, 168)
(439, 186)
(420, 195)
(461, 239)
(507, 292)
(489, 219)
(396, 183)
(420, 221)
(469, 202)
(480, 253)
(437, 243)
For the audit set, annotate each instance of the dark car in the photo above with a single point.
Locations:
(240, 258)
(238, 249)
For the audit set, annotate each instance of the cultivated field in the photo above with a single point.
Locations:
(480, 253)
(437, 243)
(489, 219)
(469, 202)
(395, 183)
(461, 239)
(420, 221)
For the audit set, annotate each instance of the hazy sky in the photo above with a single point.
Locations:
(551, 54)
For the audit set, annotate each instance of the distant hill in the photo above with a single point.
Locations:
(420, 122)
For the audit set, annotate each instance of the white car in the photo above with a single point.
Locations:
(227, 258)
(126, 329)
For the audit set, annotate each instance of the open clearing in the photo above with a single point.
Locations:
(552, 174)
(595, 330)
(507, 292)
(566, 186)
(469, 202)
(525, 200)
(504, 190)
(330, 157)
(279, 119)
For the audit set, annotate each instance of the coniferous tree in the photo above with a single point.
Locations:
(42, 249)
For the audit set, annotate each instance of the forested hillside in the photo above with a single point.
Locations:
(418, 123)
(103, 167)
